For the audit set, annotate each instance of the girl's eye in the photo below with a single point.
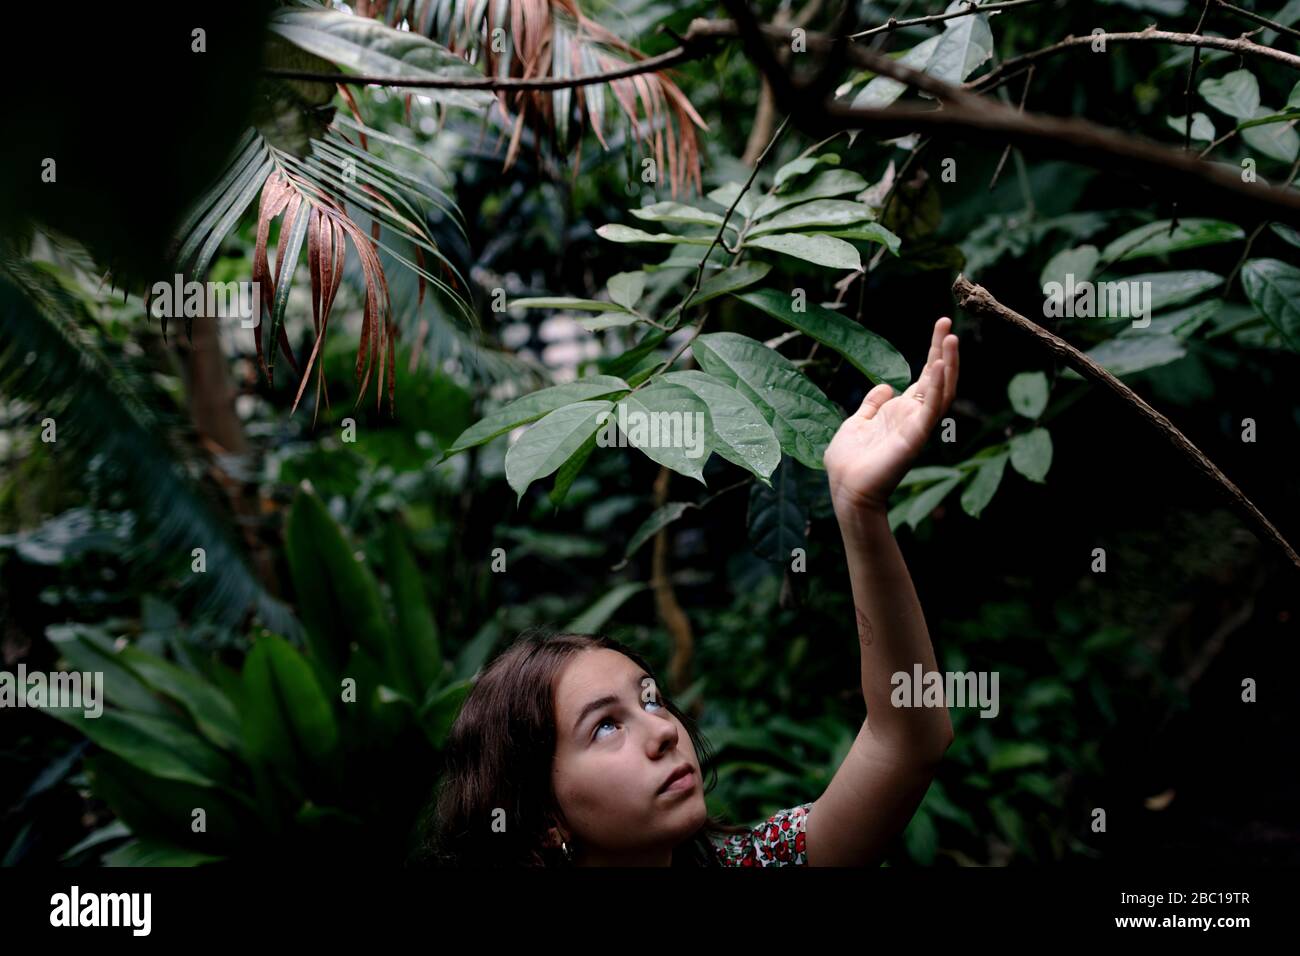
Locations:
(596, 734)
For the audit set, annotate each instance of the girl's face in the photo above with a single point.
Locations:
(614, 753)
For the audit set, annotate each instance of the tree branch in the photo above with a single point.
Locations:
(977, 300)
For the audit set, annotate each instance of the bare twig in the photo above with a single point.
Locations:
(892, 24)
(977, 300)
(1280, 28)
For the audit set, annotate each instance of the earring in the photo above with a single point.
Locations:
(567, 851)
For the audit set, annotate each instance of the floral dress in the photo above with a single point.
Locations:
(780, 840)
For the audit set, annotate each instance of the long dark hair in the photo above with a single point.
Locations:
(499, 754)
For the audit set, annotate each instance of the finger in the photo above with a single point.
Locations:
(936, 339)
(952, 365)
(875, 398)
(933, 389)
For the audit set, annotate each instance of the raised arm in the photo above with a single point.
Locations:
(877, 788)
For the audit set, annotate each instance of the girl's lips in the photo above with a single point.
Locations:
(683, 783)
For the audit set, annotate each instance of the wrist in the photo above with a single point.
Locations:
(862, 516)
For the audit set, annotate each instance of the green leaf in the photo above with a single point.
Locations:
(337, 593)
(673, 427)
(89, 651)
(1287, 233)
(819, 249)
(545, 446)
(803, 418)
(925, 474)
(737, 429)
(157, 745)
(625, 288)
(147, 853)
(609, 320)
(729, 280)
(824, 213)
(1011, 756)
(210, 709)
(678, 212)
(726, 194)
(592, 620)
(1202, 128)
(367, 46)
(1127, 354)
(965, 43)
(1154, 239)
(983, 485)
(1276, 140)
(531, 407)
(881, 91)
(921, 837)
(825, 185)
(286, 714)
(616, 232)
(415, 632)
(1236, 94)
(1080, 262)
(869, 353)
(777, 516)
(919, 506)
(804, 164)
(659, 519)
(870, 232)
(567, 303)
(1031, 454)
(1273, 288)
(1028, 393)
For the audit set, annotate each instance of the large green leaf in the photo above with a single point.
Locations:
(1236, 94)
(287, 720)
(825, 185)
(88, 650)
(1028, 393)
(729, 280)
(819, 249)
(1127, 354)
(533, 406)
(803, 418)
(546, 445)
(210, 709)
(338, 595)
(414, 628)
(777, 516)
(368, 46)
(1155, 239)
(1273, 287)
(673, 426)
(617, 232)
(567, 303)
(677, 212)
(738, 430)
(869, 353)
(159, 746)
(820, 213)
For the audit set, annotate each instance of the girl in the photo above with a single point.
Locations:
(565, 752)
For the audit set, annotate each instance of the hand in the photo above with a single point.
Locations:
(874, 447)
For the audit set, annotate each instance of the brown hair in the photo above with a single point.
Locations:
(499, 754)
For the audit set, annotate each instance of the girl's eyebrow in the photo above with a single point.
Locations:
(600, 702)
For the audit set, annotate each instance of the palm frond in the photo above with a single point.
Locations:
(553, 38)
(315, 196)
(97, 410)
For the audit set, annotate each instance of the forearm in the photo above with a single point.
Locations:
(892, 636)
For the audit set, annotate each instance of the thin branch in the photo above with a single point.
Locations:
(1240, 46)
(892, 24)
(1280, 28)
(977, 300)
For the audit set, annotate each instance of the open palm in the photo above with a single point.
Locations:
(874, 447)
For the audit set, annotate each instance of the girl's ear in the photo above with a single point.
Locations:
(553, 838)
